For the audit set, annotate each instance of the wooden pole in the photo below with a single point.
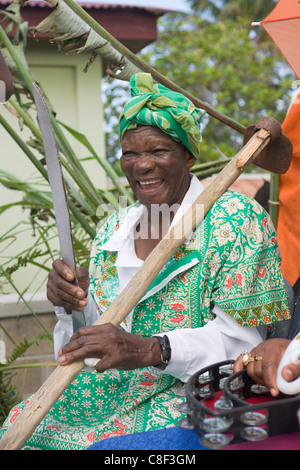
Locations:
(22, 428)
(274, 202)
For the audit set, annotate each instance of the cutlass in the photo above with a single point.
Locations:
(58, 191)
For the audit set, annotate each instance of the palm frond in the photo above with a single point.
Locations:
(69, 30)
(21, 348)
(8, 395)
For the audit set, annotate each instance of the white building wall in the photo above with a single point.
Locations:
(76, 97)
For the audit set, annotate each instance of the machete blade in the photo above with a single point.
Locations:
(58, 192)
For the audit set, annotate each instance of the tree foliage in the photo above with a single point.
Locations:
(254, 10)
(224, 66)
(236, 69)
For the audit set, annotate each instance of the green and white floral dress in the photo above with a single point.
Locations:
(231, 260)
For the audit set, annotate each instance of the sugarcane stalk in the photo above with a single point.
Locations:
(32, 365)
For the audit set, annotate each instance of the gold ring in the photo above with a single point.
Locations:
(248, 358)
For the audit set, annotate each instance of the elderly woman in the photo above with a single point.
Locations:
(212, 299)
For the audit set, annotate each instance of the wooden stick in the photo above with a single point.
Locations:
(22, 428)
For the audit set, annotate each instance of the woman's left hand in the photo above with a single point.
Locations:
(113, 347)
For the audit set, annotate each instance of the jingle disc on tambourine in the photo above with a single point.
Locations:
(215, 440)
(254, 433)
(216, 424)
(253, 419)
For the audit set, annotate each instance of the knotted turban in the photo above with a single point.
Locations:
(155, 105)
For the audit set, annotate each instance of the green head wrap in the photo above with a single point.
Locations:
(155, 105)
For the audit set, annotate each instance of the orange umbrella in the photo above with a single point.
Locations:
(288, 225)
(283, 25)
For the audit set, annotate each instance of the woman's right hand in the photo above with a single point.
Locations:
(61, 290)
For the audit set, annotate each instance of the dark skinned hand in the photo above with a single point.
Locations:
(115, 347)
(61, 290)
(264, 372)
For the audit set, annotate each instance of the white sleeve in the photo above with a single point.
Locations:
(219, 340)
(63, 330)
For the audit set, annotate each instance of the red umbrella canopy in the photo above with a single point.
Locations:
(283, 25)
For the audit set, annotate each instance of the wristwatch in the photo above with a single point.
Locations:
(165, 351)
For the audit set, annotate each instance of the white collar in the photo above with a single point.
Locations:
(126, 231)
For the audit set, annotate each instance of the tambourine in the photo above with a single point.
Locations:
(225, 408)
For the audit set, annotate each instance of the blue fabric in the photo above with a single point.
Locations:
(163, 439)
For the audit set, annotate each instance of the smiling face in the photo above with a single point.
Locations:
(156, 166)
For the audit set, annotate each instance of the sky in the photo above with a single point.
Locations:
(180, 5)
